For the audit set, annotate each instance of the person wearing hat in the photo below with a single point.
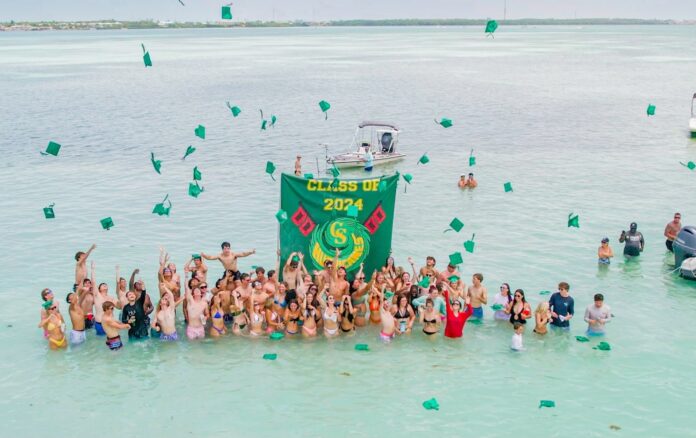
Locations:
(199, 268)
(671, 231)
(605, 253)
(634, 241)
(293, 270)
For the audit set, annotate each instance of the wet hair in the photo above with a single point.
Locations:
(479, 276)
(244, 276)
(386, 261)
(516, 325)
(599, 297)
(107, 305)
(293, 301)
(290, 295)
(260, 269)
(85, 280)
(100, 285)
(414, 292)
(343, 268)
(521, 292)
(78, 255)
(399, 298)
(225, 244)
(67, 297)
(509, 292)
(190, 285)
(563, 285)
(45, 292)
(271, 273)
(217, 283)
(430, 258)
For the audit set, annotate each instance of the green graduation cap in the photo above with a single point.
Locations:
(157, 164)
(160, 209)
(235, 109)
(425, 282)
(362, 347)
(308, 176)
(282, 216)
(352, 211)
(200, 131)
(424, 159)
(455, 225)
(270, 356)
(544, 292)
(48, 212)
(472, 159)
(274, 119)
(195, 189)
(491, 27)
(431, 404)
(276, 336)
(474, 320)
(445, 123)
(196, 256)
(547, 404)
(146, 57)
(335, 172)
(507, 186)
(582, 339)
(573, 221)
(324, 105)
(334, 183)
(453, 279)
(690, 165)
(604, 346)
(497, 307)
(382, 186)
(456, 258)
(197, 174)
(52, 149)
(107, 223)
(270, 168)
(651, 110)
(189, 151)
(226, 13)
(47, 304)
(469, 244)
(295, 259)
(264, 123)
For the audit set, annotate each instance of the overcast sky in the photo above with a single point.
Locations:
(209, 10)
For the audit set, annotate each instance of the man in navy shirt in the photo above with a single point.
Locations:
(562, 306)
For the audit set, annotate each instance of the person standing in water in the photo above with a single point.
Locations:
(634, 241)
(516, 343)
(605, 253)
(671, 231)
(596, 316)
(478, 294)
(77, 317)
(298, 165)
(54, 325)
(562, 306)
(112, 326)
(81, 266)
(471, 182)
(133, 313)
(462, 182)
(456, 319)
(164, 320)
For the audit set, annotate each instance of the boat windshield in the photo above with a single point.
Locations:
(692, 105)
(375, 138)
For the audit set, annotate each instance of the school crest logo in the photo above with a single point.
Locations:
(346, 234)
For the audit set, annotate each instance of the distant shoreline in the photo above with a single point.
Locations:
(152, 24)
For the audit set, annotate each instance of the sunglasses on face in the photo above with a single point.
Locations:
(204, 287)
(518, 296)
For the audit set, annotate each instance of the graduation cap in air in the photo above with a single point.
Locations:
(226, 12)
(445, 123)
(456, 258)
(107, 223)
(424, 159)
(200, 131)
(235, 109)
(651, 110)
(308, 176)
(507, 186)
(146, 57)
(52, 149)
(352, 211)
(157, 164)
(408, 178)
(196, 174)
(690, 165)
(189, 151)
(425, 282)
(472, 159)
(281, 216)
(160, 209)
(270, 168)
(270, 356)
(335, 172)
(48, 212)
(469, 244)
(455, 225)
(325, 106)
(195, 190)
(573, 220)
(491, 27)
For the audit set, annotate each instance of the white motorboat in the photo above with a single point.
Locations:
(378, 138)
(692, 120)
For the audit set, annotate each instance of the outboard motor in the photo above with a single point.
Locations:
(386, 142)
(684, 245)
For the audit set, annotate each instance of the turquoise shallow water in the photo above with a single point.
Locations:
(558, 111)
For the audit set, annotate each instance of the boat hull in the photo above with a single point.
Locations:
(355, 161)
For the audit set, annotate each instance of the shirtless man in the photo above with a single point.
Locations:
(260, 273)
(271, 284)
(462, 182)
(478, 294)
(112, 326)
(197, 313)
(244, 289)
(323, 278)
(199, 269)
(85, 295)
(429, 269)
(229, 258)
(671, 231)
(338, 286)
(293, 270)
(81, 266)
(100, 297)
(166, 277)
(471, 183)
(450, 271)
(121, 285)
(77, 317)
(298, 166)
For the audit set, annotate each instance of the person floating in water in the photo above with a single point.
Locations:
(605, 253)
(671, 231)
(634, 241)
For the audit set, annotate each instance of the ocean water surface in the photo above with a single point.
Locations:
(560, 112)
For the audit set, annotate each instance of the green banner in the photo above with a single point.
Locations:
(355, 216)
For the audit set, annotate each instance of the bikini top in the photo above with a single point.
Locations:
(217, 315)
(333, 317)
(401, 315)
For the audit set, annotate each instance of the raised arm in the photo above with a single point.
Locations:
(302, 266)
(245, 253)
(413, 269)
(208, 257)
(334, 271)
(131, 282)
(89, 251)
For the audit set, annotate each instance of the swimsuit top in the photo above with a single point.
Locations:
(295, 319)
(430, 321)
(374, 305)
(257, 318)
(283, 304)
(217, 315)
(333, 317)
(401, 315)
(519, 314)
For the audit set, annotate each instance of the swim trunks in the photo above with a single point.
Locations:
(166, 338)
(591, 332)
(668, 244)
(477, 312)
(385, 337)
(603, 261)
(89, 321)
(99, 329)
(77, 337)
(195, 332)
(114, 343)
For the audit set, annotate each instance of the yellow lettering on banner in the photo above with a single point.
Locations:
(338, 234)
(312, 185)
(353, 186)
(342, 186)
(370, 185)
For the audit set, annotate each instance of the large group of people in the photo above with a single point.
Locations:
(294, 302)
